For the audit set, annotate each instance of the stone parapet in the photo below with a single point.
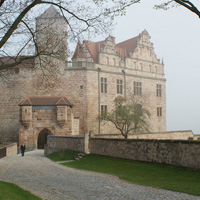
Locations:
(168, 135)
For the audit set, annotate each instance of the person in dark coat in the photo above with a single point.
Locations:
(23, 148)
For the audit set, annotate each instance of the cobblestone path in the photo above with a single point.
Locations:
(53, 181)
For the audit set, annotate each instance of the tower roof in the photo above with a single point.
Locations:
(50, 13)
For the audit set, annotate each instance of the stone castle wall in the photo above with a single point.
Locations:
(169, 135)
(81, 87)
(60, 143)
(81, 83)
(180, 153)
(24, 84)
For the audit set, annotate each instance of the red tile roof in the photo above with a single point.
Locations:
(128, 45)
(124, 48)
(93, 48)
(46, 101)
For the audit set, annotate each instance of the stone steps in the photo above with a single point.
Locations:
(78, 157)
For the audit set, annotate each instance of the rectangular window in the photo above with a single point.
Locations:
(158, 90)
(104, 109)
(119, 86)
(103, 85)
(159, 111)
(137, 88)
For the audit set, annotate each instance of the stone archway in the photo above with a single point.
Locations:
(42, 138)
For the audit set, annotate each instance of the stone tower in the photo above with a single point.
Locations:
(51, 34)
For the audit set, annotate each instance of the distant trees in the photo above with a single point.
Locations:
(127, 116)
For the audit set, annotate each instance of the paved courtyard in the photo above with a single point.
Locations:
(50, 180)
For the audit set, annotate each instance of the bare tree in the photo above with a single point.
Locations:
(187, 4)
(127, 117)
(18, 35)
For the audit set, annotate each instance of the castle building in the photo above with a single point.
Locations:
(99, 73)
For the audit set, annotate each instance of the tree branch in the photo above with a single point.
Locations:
(16, 22)
(1, 2)
(190, 6)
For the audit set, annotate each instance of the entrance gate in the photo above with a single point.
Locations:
(42, 138)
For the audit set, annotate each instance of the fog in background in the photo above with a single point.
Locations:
(175, 34)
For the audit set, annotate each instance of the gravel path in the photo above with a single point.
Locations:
(53, 181)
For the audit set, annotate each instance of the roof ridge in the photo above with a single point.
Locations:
(50, 13)
(24, 100)
(128, 39)
(61, 99)
(69, 101)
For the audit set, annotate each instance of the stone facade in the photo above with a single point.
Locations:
(42, 116)
(99, 72)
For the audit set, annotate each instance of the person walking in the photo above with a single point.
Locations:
(23, 148)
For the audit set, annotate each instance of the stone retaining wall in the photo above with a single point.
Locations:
(173, 152)
(59, 143)
(9, 150)
(183, 153)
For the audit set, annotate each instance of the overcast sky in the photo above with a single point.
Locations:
(175, 34)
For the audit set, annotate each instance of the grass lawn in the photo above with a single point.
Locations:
(9, 191)
(62, 155)
(148, 174)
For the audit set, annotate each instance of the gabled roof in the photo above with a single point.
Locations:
(79, 52)
(50, 13)
(93, 48)
(123, 48)
(46, 101)
(128, 45)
